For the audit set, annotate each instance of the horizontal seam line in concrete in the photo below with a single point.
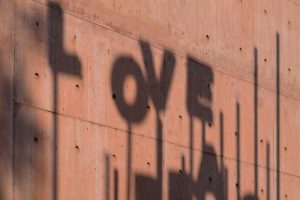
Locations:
(294, 3)
(153, 138)
(133, 38)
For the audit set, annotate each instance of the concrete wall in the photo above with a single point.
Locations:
(149, 100)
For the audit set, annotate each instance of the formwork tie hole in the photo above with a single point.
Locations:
(35, 140)
(77, 148)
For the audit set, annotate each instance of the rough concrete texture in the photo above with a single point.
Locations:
(149, 100)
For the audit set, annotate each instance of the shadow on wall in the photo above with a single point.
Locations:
(22, 141)
(211, 178)
(21, 127)
(60, 63)
(6, 133)
(150, 87)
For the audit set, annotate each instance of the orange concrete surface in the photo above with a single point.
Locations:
(149, 100)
